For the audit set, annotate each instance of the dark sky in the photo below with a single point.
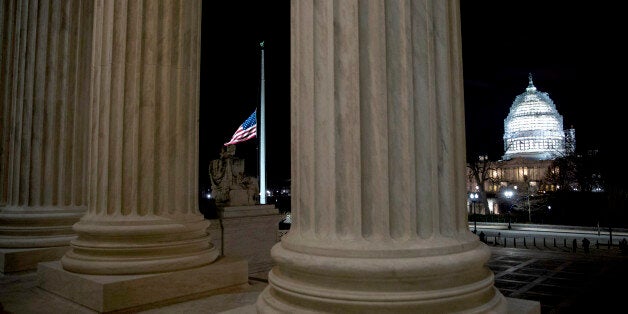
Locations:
(571, 48)
(560, 42)
(230, 81)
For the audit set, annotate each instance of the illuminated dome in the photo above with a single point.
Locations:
(533, 128)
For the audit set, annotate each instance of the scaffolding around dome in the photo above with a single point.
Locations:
(534, 129)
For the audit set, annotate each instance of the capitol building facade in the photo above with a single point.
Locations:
(533, 138)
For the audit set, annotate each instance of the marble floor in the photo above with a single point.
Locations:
(563, 281)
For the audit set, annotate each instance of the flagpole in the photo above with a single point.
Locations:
(262, 137)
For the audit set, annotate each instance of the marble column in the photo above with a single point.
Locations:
(143, 239)
(378, 165)
(143, 212)
(44, 94)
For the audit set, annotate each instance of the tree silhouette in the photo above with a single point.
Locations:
(480, 172)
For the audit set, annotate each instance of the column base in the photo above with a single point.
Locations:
(515, 306)
(134, 292)
(446, 283)
(14, 260)
(269, 301)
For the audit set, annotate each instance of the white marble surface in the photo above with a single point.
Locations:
(378, 165)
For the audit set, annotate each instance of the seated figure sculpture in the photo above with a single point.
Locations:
(230, 187)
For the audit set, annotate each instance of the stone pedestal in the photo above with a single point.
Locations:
(14, 260)
(250, 232)
(378, 166)
(215, 231)
(134, 292)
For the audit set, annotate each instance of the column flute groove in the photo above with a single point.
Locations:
(9, 42)
(303, 124)
(425, 100)
(323, 137)
(401, 125)
(346, 104)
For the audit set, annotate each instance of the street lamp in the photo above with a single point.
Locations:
(473, 197)
(508, 194)
(529, 212)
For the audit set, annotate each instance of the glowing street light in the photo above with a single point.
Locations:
(473, 197)
(509, 194)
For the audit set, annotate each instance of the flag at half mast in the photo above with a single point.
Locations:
(246, 131)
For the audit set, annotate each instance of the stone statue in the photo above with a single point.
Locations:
(230, 187)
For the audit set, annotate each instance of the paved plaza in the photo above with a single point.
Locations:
(563, 281)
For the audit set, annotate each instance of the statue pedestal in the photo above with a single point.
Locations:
(250, 232)
(241, 197)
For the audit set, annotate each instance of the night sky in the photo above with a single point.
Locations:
(572, 50)
(230, 82)
(560, 42)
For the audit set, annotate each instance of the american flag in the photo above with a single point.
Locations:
(246, 131)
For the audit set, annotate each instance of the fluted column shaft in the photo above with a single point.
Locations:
(7, 25)
(143, 210)
(378, 165)
(44, 95)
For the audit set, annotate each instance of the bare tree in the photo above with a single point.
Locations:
(480, 172)
(574, 172)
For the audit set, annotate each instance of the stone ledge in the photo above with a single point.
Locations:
(114, 293)
(522, 306)
(247, 211)
(14, 260)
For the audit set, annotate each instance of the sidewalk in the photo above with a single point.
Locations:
(603, 231)
(557, 242)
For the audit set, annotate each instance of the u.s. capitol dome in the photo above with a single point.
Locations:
(534, 129)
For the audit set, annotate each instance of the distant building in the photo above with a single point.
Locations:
(533, 138)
